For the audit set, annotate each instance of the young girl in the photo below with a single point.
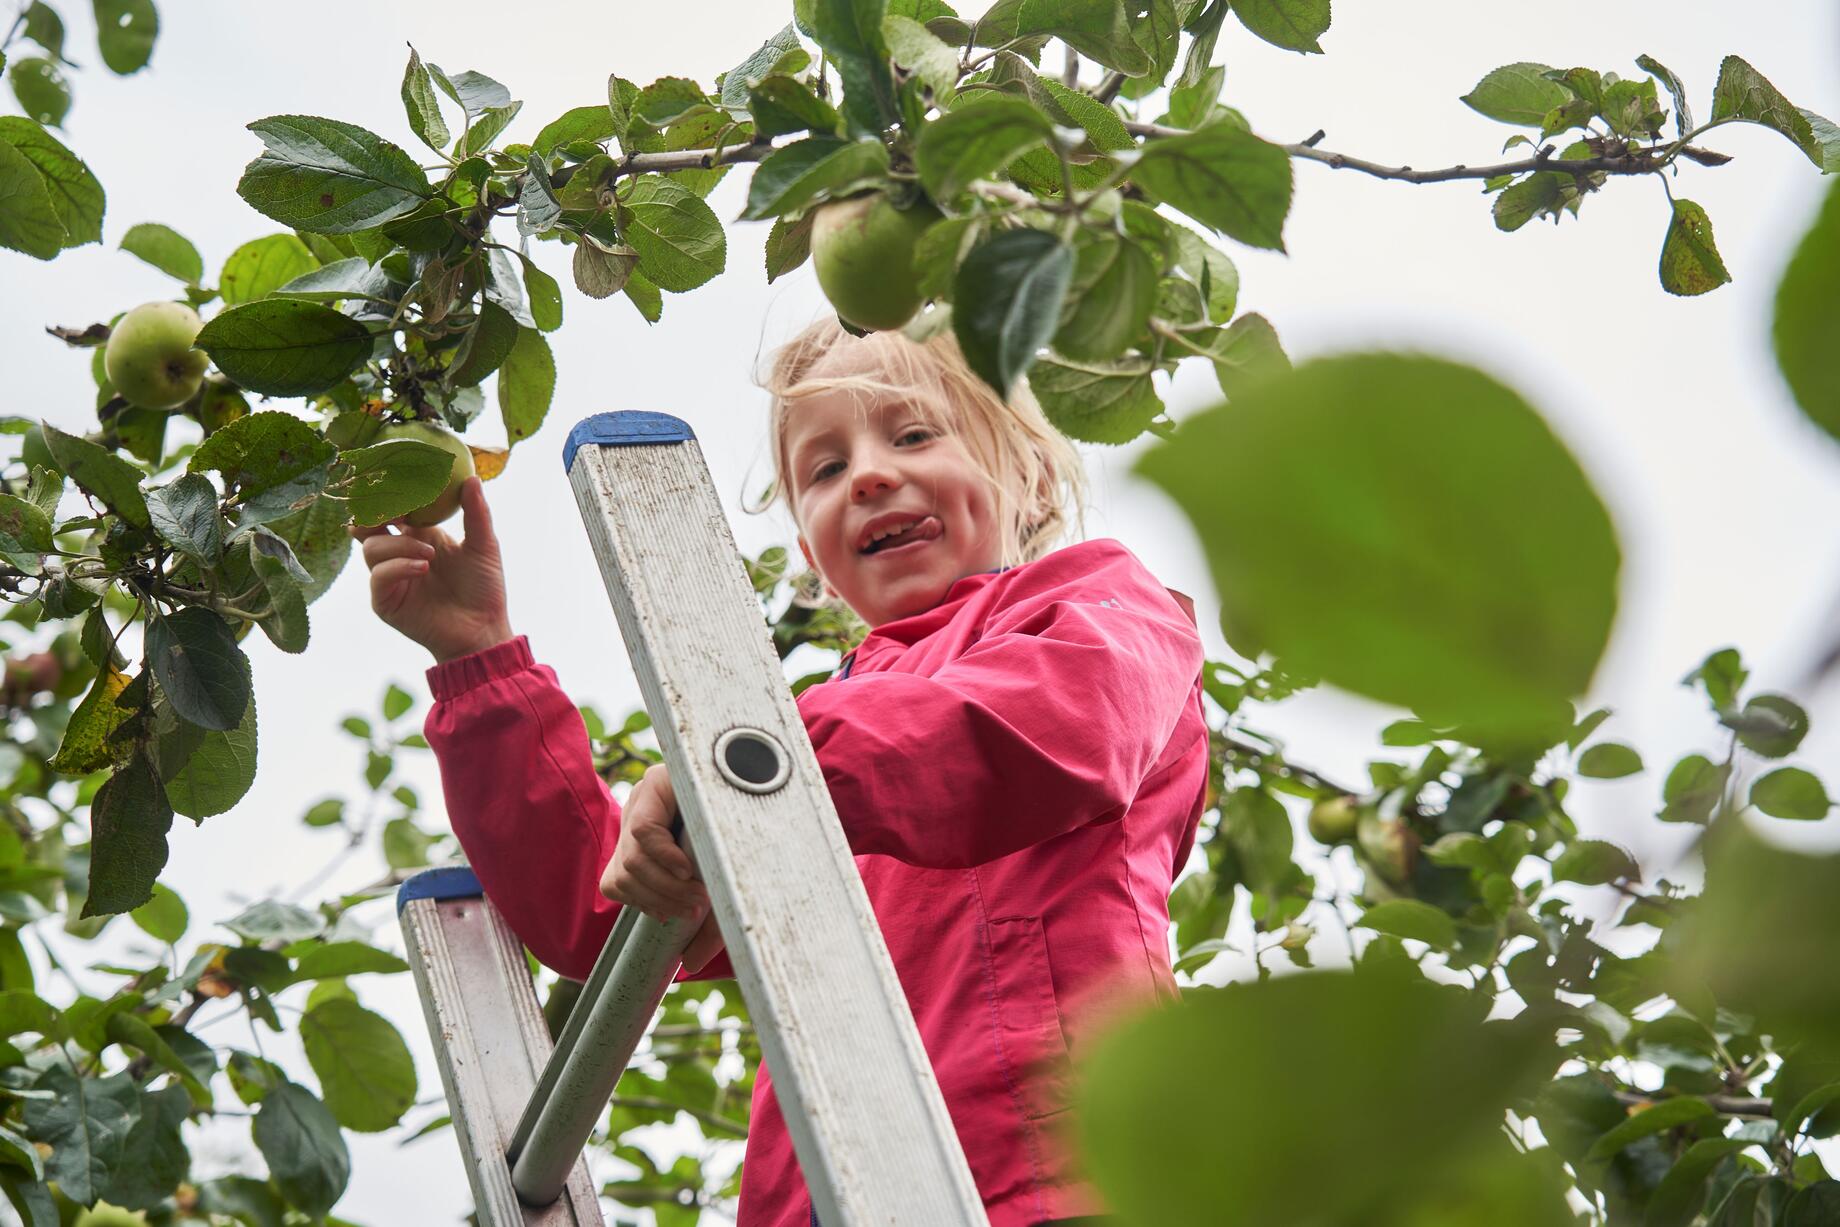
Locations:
(1016, 751)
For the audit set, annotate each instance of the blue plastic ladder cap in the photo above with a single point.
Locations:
(450, 882)
(625, 428)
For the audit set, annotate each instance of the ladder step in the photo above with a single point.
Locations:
(489, 1040)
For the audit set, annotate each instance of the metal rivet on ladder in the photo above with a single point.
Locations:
(752, 760)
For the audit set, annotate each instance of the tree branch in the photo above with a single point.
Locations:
(1636, 161)
(693, 159)
(1727, 1105)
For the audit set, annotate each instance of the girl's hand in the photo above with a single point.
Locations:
(650, 872)
(447, 595)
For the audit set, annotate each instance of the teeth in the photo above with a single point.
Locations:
(889, 532)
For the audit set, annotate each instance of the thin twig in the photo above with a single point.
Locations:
(1636, 161)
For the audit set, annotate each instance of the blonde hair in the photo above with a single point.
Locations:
(1034, 473)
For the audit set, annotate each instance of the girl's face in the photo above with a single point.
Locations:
(856, 471)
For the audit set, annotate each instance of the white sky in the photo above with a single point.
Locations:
(1673, 405)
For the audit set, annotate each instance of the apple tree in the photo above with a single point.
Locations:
(1060, 183)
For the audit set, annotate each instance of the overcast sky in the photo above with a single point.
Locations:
(1722, 494)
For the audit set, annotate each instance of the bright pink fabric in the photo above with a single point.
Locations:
(1019, 771)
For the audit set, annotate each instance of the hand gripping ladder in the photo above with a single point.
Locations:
(870, 1128)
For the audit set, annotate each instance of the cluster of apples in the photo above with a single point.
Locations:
(153, 362)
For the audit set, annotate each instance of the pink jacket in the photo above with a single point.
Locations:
(1019, 771)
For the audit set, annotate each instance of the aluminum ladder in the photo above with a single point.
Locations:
(870, 1128)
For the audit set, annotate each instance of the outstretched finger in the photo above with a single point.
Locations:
(476, 516)
(379, 549)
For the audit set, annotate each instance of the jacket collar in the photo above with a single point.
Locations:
(905, 632)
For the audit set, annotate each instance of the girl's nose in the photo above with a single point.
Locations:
(873, 478)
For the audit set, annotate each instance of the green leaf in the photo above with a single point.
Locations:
(1109, 299)
(1294, 25)
(329, 177)
(1771, 725)
(285, 346)
(251, 1202)
(125, 32)
(1677, 1199)
(1245, 353)
(1412, 919)
(325, 960)
(271, 920)
(40, 87)
(305, 1152)
(1098, 29)
(544, 296)
(262, 266)
(602, 272)
(364, 1068)
(1667, 1114)
(1683, 114)
(199, 667)
(975, 140)
(1008, 295)
(86, 746)
(1690, 262)
(28, 219)
(393, 478)
(1517, 94)
(114, 481)
(184, 513)
(1790, 792)
(166, 249)
(75, 199)
(1692, 790)
(1224, 178)
(474, 91)
(1207, 264)
(262, 451)
(1478, 567)
(538, 209)
(851, 31)
(1172, 1111)
(154, 1156)
(1609, 761)
(781, 104)
(129, 820)
(321, 544)
(593, 124)
(679, 239)
(644, 295)
(788, 246)
(163, 917)
(1767, 917)
(931, 59)
(86, 1123)
(1096, 402)
(526, 383)
(44, 27)
(793, 176)
(219, 771)
(25, 533)
(1592, 862)
(1806, 330)
(1827, 135)
(781, 53)
(423, 108)
(1743, 93)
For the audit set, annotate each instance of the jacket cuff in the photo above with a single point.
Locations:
(453, 678)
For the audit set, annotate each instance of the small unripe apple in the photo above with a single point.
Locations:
(863, 249)
(447, 501)
(105, 1215)
(150, 358)
(1333, 820)
(1389, 844)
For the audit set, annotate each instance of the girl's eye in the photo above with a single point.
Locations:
(922, 431)
(825, 470)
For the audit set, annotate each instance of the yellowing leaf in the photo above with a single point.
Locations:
(86, 738)
(488, 462)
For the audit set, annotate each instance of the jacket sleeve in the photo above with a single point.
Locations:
(538, 825)
(1050, 721)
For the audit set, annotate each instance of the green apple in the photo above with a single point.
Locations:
(448, 500)
(1389, 845)
(150, 358)
(105, 1215)
(863, 249)
(1333, 820)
